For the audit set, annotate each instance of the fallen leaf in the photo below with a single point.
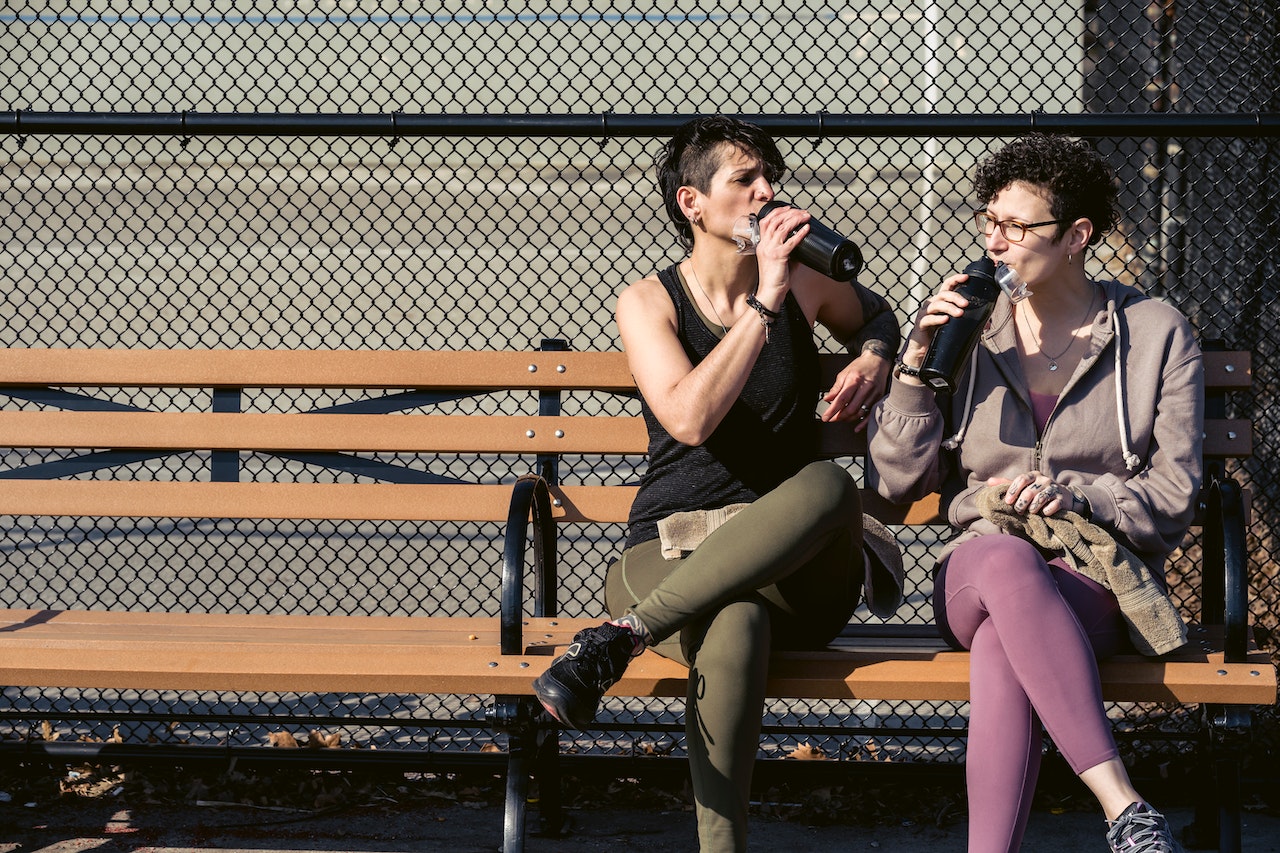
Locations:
(316, 740)
(283, 739)
(805, 752)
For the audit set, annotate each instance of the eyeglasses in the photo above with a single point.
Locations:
(1012, 230)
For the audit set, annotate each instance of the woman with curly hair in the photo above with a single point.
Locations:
(1080, 410)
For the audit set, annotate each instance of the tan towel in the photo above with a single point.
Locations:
(681, 532)
(1155, 626)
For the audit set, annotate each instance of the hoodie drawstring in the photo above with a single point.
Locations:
(1131, 460)
(954, 442)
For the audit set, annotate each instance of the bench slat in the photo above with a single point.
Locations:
(460, 655)
(477, 370)
(1228, 370)
(335, 501)
(1227, 438)
(357, 501)
(298, 433)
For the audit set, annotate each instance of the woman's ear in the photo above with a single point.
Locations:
(1078, 235)
(687, 199)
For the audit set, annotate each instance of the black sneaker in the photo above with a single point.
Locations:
(571, 687)
(1141, 829)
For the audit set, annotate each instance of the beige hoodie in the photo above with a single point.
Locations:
(1126, 431)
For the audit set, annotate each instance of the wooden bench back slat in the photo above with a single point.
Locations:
(297, 433)
(337, 501)
(1227, 438)
(475, 370)
(479, 369)
(1228, 371)
(361, 501)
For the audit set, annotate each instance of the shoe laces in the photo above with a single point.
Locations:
(605, 652)
(1141, 831)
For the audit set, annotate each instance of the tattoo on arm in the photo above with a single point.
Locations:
(879, 334)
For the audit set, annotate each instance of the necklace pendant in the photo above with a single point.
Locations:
(1053, 365)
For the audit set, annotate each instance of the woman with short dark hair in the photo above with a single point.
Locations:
(722, 350)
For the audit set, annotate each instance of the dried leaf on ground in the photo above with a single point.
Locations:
(316, 740)
(283, 740)
(805, 752)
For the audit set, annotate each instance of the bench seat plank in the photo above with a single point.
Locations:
(181, 651)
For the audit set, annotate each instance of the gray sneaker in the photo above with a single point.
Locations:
(1141, 829)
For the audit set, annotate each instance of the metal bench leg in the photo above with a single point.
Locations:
(517, 794)
(552, 821)
(1227, 773)
(1218, 808)
(518, 717)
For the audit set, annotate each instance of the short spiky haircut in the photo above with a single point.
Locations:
(692, 156)
(1077, 181)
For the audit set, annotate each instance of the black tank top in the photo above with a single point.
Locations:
(769, 434)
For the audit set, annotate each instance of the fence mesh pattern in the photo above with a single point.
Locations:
(453, 241)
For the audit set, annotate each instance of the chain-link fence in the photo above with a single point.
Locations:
(494, 187)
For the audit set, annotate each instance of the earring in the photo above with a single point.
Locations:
(1069, 259)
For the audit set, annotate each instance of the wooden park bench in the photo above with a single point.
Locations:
(66, 401)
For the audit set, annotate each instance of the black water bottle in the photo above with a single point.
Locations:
(953, 343)
(822, 249)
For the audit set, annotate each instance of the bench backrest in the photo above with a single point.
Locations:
(63, 400)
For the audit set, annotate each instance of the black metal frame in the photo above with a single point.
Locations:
(608, 125)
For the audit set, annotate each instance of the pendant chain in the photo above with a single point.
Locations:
(694, 274)
(1053, 359)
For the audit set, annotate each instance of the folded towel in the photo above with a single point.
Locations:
(1155, 626)
(681, 532)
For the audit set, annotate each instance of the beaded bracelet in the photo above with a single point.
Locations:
(752, 302)
(906, 369)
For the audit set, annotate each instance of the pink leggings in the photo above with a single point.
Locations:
(1036, 630)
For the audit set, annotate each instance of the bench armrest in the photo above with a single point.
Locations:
(530, 506)
(1225, 588)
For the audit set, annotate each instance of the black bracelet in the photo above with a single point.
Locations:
(906, 369)
(752, 302)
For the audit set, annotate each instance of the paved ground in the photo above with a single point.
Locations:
(107, 825)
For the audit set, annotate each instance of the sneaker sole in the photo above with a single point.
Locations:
(553, 698)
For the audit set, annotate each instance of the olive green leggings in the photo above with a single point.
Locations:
(784, 573)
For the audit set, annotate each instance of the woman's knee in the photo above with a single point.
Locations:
(974, 575)
(735, 639)
(827, 489)
(993, 559)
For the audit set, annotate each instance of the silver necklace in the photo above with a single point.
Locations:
(694, 275)
(1053, 359)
